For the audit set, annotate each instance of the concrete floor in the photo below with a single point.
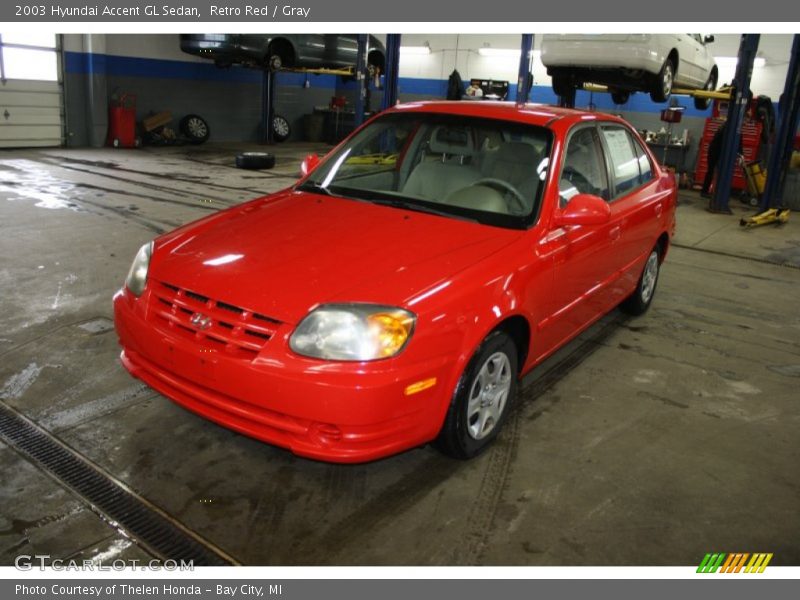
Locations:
(649, 441)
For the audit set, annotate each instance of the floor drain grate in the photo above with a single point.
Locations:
(151, 527)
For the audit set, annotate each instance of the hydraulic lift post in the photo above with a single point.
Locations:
(748, 47)
(361, 80)
(392, 69)
(788, 113)
(525, 57)
(267, 105)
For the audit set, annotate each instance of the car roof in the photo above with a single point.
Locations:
(535, 114)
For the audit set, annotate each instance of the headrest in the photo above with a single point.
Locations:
(517, 152)
(451, 140)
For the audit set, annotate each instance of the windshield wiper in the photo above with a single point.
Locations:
(310, 186)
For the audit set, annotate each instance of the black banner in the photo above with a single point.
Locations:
(331, 11)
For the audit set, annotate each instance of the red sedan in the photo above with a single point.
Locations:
(396, 294)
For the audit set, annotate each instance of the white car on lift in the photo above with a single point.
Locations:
(627, 63)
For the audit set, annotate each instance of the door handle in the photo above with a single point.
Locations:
(659, 209)
(615, 233)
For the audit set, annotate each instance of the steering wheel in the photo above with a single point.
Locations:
(504, 186)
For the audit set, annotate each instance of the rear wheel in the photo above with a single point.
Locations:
(662, 85)
(275, 62)
(620, 96)
(638, 302)
(711, 85)
(482, 400)
(563, 85)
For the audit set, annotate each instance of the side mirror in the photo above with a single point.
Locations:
(309, 163)
(584, 209)
(708, 39)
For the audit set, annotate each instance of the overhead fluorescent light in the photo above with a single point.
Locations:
(729, 62)
(505, 52)
(418, 50)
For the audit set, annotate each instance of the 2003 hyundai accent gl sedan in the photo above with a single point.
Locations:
(397, 293)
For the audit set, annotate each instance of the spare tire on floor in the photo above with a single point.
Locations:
(255, 160)
(195, 128)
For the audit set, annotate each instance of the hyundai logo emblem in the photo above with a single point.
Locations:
(201, 321)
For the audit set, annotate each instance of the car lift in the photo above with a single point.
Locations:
(788, 120)
(723, 93)
(268, 89)
(770, 209)
(736, 109)
(363, 82)
(524, 80)
(390, 88)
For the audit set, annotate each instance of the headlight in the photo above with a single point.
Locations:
(137, 276)
(353, 332)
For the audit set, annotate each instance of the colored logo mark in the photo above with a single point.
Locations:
(734, 562)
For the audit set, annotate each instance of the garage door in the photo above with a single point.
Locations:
(30, 91)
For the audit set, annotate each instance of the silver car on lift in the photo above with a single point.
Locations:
(627, 62)
(284, 51)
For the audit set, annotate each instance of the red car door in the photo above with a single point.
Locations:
(583, 255)
(637, 207)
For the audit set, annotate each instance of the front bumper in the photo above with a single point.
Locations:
(338, 412)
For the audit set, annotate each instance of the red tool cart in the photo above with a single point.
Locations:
(751, 138)
(122, 122)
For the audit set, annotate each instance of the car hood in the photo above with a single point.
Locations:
(284, 254)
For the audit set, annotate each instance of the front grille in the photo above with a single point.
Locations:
(232, 329)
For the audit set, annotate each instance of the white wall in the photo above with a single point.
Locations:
(158, 46)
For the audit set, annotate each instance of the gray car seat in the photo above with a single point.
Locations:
(435, 180)
(515, 163)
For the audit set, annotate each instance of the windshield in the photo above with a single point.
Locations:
(486, 170)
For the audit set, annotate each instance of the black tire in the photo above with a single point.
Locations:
(255, 160)
(274, 62)
(663, 82)
(563, 84)
(620, 96)
(281, 130)
(458, 437)
(195, 128)
(639, 301)
(711, 85)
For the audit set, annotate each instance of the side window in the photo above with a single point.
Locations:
(624, 163)
(584, 170)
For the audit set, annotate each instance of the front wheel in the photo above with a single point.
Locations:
(482, 400)
(662, 85)
(638, 302)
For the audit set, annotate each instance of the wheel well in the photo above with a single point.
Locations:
(283, 48)
(518, 329)
(376, 57)
(663, 245)
(673, 56)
